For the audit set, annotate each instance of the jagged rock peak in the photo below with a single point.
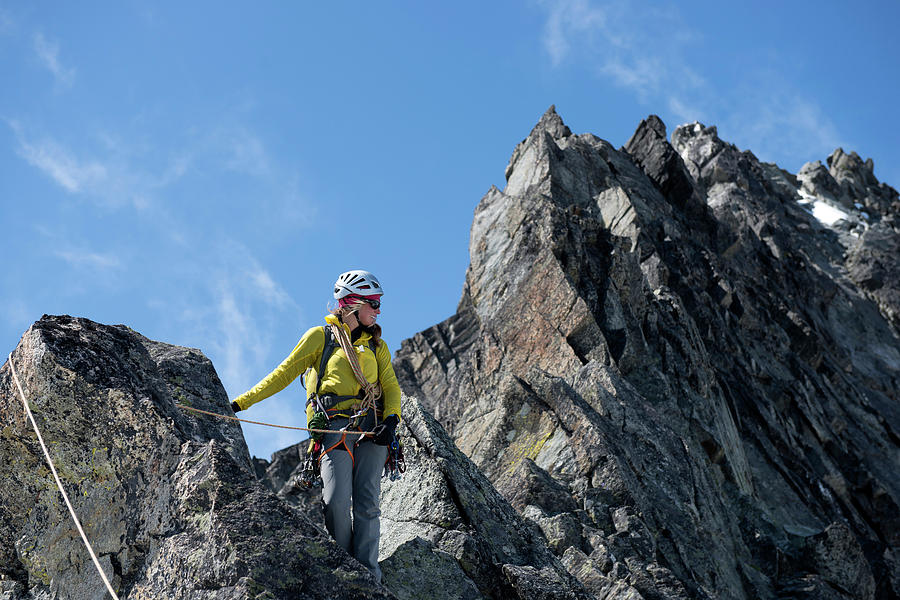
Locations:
(841, 161)
(553, 124)
(692, 130)
(651, 124)
(688, 404)
(857, 184)
(660, 161)
(549, 127)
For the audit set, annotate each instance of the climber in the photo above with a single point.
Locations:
(346, 403)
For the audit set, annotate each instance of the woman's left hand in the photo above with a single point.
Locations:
(384, 432)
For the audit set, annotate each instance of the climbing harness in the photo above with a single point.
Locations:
(395, 464)
(369, 392)
(368, 396)
(65, 496)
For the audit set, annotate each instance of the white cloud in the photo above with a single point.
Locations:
(643, 49)
(235, 340)
(77, 254)
(777, 122)
(87, 258)
(70, 172)
(111, 179)
(116, 170)
(249, 305)
(229, 305)
(237, 337)
(270, 291)
(570, 19)
(6, 22)
(245, 153)
(642, 74)
(683, 112)
(48, 53)
(634, 45)
(242, 310)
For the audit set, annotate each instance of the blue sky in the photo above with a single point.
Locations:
(202, 171)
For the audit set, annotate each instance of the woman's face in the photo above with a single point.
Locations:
(367, 315)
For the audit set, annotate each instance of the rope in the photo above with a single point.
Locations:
(373, 391)
(220, 416)
(59, 483)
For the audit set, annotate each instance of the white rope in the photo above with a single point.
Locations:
(59, 483)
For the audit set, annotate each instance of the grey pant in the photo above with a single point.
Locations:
(356, 476)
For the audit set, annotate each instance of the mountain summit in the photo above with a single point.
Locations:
(668, 362)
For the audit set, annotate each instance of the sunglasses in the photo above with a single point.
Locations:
(375, 304)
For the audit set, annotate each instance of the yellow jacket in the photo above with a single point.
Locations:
(338, 377)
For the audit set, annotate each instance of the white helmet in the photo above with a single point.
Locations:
(359, 283)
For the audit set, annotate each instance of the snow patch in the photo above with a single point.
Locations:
(826, 214)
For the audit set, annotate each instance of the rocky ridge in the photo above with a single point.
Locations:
(168, 501)
(665, 361)
(175, 507)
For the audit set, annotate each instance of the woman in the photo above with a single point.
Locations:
(343, 401)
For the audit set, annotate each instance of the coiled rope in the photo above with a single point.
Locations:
(59, 484)
(372, 390)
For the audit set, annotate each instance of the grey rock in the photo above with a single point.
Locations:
(276, 475)
(444, 507)
(837, 557)
(873, 266)
(539, 584)
(562, 531)
(418, 570)
(589, 572)
(665, 167)
(669, 336)
(168, 500)
(536, 487)
(11, 590)
(857, 182)
(176, 508)
(817, 181)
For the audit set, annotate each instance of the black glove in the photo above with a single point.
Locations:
(384, 432)
(235, 407)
